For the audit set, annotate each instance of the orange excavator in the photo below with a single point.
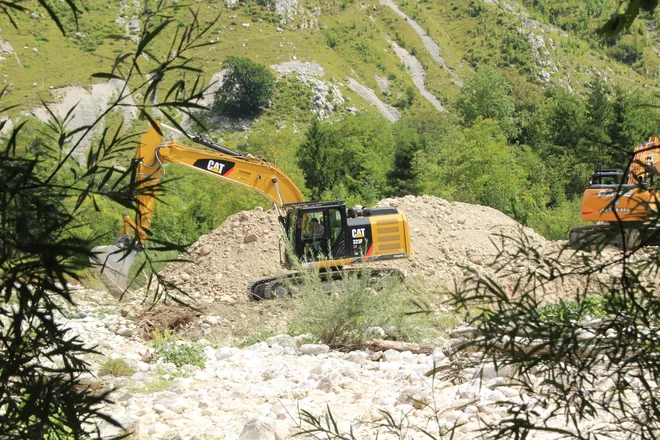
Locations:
(320, 235)
(623, 205)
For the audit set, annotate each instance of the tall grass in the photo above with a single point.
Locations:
(347, 310)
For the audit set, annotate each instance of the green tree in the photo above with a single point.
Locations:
(473, 165)
(363, 156)
(488, 94)
(350, 159)
(600, 116)
(567, 118)
(246, 89)
(635, 119)
(316, 160)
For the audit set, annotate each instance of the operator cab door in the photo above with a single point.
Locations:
(320, 233)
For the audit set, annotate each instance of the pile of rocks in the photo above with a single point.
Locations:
(446, 239)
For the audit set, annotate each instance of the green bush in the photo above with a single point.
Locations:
(331, 38)
(246, 89)
(178, 352)
(116, 367)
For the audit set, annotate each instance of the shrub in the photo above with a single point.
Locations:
(331, 38)
(247, 88)
(178, 352)
(354, 305)
(567, 311)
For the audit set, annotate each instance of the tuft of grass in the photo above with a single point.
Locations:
(157, 385)
(571, 311)
(344, 312)
(262, 336)
(116, 367)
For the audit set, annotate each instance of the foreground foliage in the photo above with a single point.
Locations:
(44, 194)
(589, 358)
(356, 309)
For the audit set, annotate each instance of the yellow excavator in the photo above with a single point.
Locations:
(623, 205)
(321, 235)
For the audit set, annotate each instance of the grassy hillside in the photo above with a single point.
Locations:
(546, 55)
(347, 39)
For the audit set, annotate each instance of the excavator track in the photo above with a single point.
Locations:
(633, 237)
(331, 281)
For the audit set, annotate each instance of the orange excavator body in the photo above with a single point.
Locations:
(611, 201)
(622, 201)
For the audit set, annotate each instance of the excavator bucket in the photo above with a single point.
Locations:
(112, 263)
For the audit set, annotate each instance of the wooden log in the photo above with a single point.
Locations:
(382, 345)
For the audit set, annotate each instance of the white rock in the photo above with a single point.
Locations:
(508, 392)
(125, 332)
(489, 371)
(438, 355)
(314, 349)
(452, 416)
(358, 357)
(281, 340)
(258, 428)
(225, 353)
(168, 367)
(391, 356)
(180, 385)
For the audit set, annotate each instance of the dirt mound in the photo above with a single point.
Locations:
(448, 240)
(445, 238)
(223, 262)
(163, 318)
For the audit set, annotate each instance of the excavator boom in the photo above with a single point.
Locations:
(113, 262)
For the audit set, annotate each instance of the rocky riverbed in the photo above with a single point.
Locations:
(260, 391)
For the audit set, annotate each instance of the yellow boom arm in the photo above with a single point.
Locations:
(243, 169)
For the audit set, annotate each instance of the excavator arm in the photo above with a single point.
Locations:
(113, 262)
(244, 169)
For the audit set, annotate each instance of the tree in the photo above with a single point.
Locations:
(350, 159)
(488, 94)
(619, 22)
(246, 89)
(315, 159)
(42, 395)
(600, 115)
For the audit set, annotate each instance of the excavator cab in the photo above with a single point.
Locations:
(316, 232)
(608, 178)
(328, 236)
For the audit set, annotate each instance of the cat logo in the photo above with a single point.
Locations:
(215, 167)
(358, 233)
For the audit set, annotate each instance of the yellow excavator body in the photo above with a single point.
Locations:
(342, 236)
